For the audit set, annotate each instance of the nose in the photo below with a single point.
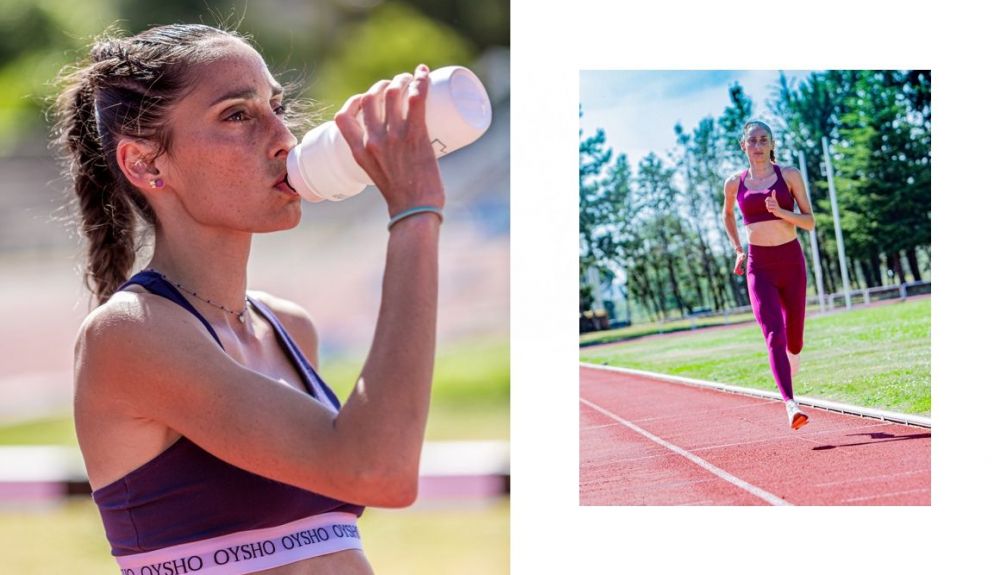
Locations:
(284, 139)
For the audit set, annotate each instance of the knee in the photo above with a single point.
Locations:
(776, 340)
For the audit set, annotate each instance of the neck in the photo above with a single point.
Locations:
(211, 263)
(761, 168)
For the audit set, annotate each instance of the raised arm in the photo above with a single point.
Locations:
(803, 219)
(151, 362)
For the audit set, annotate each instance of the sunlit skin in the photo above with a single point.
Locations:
(757, 145)
(221, 183)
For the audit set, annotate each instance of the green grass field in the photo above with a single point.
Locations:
(874, 357)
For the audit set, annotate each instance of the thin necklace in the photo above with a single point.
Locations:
(240, 315)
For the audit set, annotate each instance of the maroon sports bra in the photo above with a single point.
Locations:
(752, 201)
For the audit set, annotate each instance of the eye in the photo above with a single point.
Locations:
(240, 116)
(280, 109)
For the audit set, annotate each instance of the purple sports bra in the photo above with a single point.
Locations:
(186, 494)
(752, 201)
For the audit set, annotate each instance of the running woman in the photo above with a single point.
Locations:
(775, 267)
(209, 439)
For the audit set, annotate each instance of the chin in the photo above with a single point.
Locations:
(287, 218)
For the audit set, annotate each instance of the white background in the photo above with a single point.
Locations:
(551, 42)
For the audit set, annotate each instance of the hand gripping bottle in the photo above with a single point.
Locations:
(458, 113)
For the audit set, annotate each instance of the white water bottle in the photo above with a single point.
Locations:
(322, 167)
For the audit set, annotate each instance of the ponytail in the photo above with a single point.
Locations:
(107, 221)
(125, 89)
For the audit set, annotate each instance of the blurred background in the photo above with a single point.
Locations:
(331, 264)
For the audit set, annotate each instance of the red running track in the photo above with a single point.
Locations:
(648, 442)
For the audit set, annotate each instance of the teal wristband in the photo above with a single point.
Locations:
(412, 212)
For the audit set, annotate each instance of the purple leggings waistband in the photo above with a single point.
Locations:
(785, 253)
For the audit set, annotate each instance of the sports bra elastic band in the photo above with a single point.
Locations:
(250, 551)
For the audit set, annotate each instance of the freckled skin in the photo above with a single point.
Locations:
(223, 168)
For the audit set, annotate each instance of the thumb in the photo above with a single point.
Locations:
(773, 195)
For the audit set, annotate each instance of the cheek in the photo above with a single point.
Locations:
(214, 164)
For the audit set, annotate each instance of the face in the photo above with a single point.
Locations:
(229, 145)
(757, 144)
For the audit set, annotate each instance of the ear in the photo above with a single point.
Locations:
(135, 160)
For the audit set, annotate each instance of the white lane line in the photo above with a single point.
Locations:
(873, 478)
(752, 489)
(834, 407)
(880, 495)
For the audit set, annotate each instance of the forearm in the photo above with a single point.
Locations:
(804, 221)
(386, 414)
(733, 233)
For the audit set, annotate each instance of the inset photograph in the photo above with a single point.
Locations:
(755, 287)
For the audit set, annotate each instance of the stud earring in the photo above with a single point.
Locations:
(157, 183)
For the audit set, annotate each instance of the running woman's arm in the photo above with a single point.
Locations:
(797, 186)
(729, 215)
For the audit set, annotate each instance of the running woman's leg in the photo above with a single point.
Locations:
(766, 303)
(793, 303)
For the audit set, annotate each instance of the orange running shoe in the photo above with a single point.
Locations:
(796, 418)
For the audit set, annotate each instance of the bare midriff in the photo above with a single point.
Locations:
(770, 233)
(348, 562)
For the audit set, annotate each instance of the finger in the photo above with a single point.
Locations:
(394, 112)
(347, 121)
(417, 95)
(372, 108)
(773, 195)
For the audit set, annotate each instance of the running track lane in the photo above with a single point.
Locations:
(648, 442)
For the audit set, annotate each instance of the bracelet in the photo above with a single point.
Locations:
(412, 212)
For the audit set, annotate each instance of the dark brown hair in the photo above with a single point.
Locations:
(125, 88)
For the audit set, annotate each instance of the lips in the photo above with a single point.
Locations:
(283, 185)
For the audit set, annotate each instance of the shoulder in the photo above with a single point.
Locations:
(129, 321)
(790, 171)
(733, 182)
(132, 338)
(295, 319)
(792, 176)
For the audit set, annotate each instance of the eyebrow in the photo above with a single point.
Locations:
(247, 93)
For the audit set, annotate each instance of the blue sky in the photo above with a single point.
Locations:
(638, 108)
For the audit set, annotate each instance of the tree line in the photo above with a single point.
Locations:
(660, 225)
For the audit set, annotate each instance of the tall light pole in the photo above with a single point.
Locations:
(836, 224)
(817, 269)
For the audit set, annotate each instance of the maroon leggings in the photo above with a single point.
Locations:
(776, 279)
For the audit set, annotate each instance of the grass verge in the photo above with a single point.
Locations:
(874, 357)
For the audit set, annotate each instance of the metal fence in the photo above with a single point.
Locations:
(831, 302)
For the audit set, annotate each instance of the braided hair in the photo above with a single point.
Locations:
(124, 89)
